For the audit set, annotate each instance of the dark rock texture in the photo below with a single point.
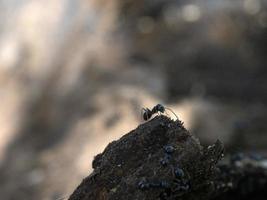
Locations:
(160, 159)
(242, 177)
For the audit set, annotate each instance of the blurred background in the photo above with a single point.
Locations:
(74, 76)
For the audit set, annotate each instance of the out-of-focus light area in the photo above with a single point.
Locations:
(74, 76)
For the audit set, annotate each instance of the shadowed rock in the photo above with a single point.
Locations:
(160, 159)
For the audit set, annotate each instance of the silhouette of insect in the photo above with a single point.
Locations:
(147, 113)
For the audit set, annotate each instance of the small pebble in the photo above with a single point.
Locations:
(169, 149)
(179, 173)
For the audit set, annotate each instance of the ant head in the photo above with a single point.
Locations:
(160, 108)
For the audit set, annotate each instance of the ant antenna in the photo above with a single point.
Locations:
(167, 114)
(172, 112)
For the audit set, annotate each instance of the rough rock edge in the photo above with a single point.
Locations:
(133, 167)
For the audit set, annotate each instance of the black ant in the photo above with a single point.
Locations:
(156, 109)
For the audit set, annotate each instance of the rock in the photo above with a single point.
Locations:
(132, 167)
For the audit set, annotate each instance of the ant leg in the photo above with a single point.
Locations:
(172, 113)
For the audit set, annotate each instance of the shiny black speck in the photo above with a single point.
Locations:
(179, 173)
(169, 149)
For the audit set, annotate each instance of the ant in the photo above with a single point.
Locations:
(147, 114)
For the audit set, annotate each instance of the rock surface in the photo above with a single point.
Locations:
(160, 159)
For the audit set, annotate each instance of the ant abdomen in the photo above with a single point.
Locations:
(147, 114)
